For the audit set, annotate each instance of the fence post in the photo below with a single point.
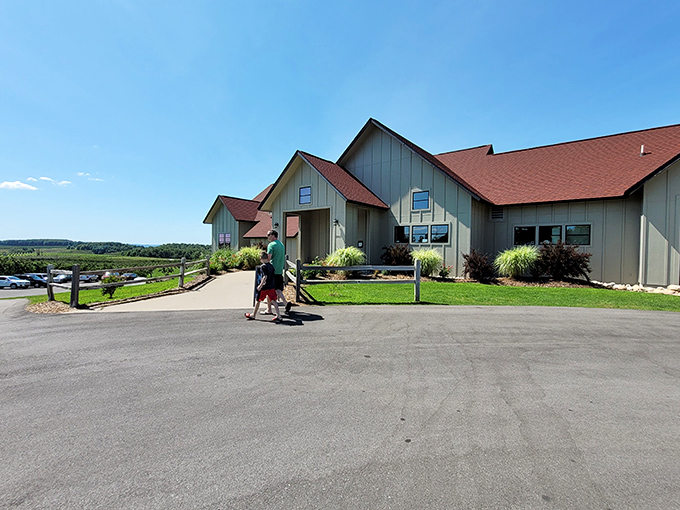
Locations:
(181, 271)
(50, 281)
(75, 285)
(207, 266)
(285, 270)
(416, 275)
(298, 279)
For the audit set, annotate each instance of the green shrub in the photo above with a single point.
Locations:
(311, 274)
(430, 260)
(477, 266)
(109, 291)
(517, 261)
(397, 255)
(248, 257)
(562, 261)
(222, 260)
(350, 256)
(445, 271)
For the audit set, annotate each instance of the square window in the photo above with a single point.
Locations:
(420, 234)
(306, 195)
(549, 234)
(525, 235)
(578, 234)
(421, 200)
(224, 239)
(440, 233)
(401, 234)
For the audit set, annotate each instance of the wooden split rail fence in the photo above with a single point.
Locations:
(299, 281)
(76, 285)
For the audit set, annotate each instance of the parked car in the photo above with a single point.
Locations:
(13, 282)
(129, 276)
(34, 279)
(108, 273)
(62, 278)
(89, 278)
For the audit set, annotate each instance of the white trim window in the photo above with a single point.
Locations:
(578, 234)
(224, 239)
(439, 234)
(420, 201)
(401, 234)
(420, 234)
(305, 195)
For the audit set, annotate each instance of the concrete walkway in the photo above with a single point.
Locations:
(230, 290)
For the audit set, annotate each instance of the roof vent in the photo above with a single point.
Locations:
(642, 150)
(497, 213)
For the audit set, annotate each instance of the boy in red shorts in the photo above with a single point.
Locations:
(266, 288)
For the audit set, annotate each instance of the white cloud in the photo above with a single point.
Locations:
(46, 179)
(82, 174)
(32, 179)
(16, 185)
(63, 183)
(95, 179)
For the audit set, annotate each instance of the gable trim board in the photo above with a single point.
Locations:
(625, 195)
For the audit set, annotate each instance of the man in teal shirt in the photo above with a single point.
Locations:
(277, 257)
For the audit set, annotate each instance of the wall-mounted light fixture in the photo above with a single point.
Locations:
(276, 225)
(336, 222)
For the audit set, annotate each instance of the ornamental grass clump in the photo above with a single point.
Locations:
(517, 261)
(350, 256)
(430, 261)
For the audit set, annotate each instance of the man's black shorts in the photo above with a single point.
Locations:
(278, 282)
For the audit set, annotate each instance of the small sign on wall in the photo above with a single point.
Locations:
(360, 244)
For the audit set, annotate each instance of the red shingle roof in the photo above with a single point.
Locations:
(240, 208)
(345, 183)
(604, 167)
(265, 224)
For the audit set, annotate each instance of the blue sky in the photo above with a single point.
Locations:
(123, 120)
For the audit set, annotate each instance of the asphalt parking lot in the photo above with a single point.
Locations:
(341, 407)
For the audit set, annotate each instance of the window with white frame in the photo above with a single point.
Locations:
(577, 234)
(421, 200)
(401, 235)
(539, 234)
(440, 233)
(224, 239)
(525, 235)
(549, 234)
(419, 234)
(306, 195)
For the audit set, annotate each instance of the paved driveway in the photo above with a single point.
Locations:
(341, 407)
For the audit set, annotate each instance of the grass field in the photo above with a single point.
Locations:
(476, 294)
(95, 296)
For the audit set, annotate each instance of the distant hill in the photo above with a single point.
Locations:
(171, 250)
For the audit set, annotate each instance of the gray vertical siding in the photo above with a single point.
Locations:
(660, 250)
(392, 171)
(318, 236)
(615, 232)
(224, 223)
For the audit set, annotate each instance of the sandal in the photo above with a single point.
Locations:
(276, 319)
(249, 316)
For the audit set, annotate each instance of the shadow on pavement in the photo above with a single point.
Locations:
(296, 318)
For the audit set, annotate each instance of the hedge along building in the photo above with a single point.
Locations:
(618, 197)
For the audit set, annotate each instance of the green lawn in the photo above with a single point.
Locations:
(94, 296)
(444, 293)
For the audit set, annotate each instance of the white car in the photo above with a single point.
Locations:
(13, 282)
